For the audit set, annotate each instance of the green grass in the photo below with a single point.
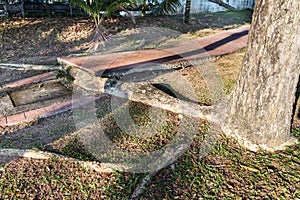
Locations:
(53, 181)
(123, 186)
(227, 172)
(230, 171)
(74, 148)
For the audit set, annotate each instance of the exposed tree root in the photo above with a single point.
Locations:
(29, 66)
(36, 154)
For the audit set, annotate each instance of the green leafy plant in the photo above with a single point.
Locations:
(99, 9)
(65, 74)
(165, 7)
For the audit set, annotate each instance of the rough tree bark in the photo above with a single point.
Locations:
(260, 107)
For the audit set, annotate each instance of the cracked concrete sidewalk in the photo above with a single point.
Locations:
(215, 45)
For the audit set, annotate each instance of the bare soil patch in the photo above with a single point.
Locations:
(42, 40)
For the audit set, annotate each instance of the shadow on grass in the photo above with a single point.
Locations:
(40, 41)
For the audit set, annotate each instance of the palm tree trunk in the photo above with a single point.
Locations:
(144, 7)
(187, 11)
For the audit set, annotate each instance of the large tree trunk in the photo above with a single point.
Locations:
(260, 107)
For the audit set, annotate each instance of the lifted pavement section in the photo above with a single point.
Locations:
(133, 75)
(215, 45)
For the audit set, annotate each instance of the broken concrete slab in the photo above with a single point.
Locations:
(5, 105)
(31, 80)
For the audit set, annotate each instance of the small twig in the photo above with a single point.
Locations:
(249, 168)
(217, 165)
(141, 188)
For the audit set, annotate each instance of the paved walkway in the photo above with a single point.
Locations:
(215, 45)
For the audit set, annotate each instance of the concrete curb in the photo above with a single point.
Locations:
(45, 112)
(30, 80)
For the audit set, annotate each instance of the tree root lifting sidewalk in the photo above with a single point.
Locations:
(214, 49)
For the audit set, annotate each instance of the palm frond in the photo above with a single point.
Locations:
(121, 5)
(166, 7)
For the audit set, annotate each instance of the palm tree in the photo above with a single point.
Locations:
(111, 6)
(94, 8)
